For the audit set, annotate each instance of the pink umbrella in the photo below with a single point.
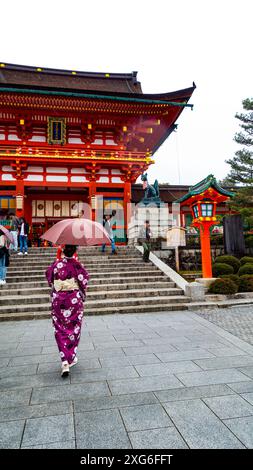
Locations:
(7, 233)
(80, 232)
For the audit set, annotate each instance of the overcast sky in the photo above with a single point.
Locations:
(171, 43)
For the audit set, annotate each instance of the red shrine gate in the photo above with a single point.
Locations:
(67, 138)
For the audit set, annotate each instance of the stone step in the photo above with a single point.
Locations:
(96, 296)
(124, 274)
(91, 262)
(81, 252)
(99, 311)
(95, 304)
(93, 281)
(91, 288)
(90, 267)
(138, 267)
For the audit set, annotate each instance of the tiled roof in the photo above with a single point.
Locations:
(11, 74)
(208, 182)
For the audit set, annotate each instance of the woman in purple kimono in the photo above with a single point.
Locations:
(68, 280)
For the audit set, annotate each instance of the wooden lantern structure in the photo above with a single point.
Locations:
(203, 199)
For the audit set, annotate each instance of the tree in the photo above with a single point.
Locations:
(241, 173)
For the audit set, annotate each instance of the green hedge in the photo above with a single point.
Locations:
(245, 283)
(223, 286)
(246, 269)
(227, 259)
(246, 260)
(222, 268)
(233, 277)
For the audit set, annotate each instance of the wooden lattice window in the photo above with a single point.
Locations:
(56, 131)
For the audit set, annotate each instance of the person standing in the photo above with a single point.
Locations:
(145, 240)
(23, 236)
(108, 227)
(14, 232)
(68, 279)
(4, 258)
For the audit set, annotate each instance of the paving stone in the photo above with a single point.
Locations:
(243, 429)
(55, 445)
(101, 430)
(163, 438)
(138, 418)
(212, 377)
(148, 349)
(100, 353)
(248, 397)
(4, 362)
(229, 406)
(193, 392)
(103, 374)
(236, 320)
(34, 359)
(103, 403)
(241, 387)
(166, 368)
(129, 360)
(184, 355)
(226, 362)
(39, 380)
(247, 370)
(77, 391)
(200, 428)
(48, 429)
(11, 434)
(18, 371)
(143, 384)
(15, 397)
(191, 346)
(26, 351)
(35, 411)
(223, 352)
(82, 365)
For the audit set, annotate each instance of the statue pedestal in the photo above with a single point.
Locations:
(157, 215)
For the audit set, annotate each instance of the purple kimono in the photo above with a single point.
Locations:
(67, 305)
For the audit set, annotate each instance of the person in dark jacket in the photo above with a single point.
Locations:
(4, 257)
(145, 240)
(23, 236)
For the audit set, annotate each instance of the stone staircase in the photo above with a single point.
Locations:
(121, 283)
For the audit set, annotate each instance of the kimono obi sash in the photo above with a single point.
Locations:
(68, 284)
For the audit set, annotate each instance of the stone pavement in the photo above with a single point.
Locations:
(237, 320)
(169, 380)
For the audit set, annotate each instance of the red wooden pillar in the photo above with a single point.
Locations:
(127, 205)
(206, 250)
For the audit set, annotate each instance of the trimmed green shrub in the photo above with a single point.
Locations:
(246, 276)
(222, 268)
(245, 283)
(233, 277)
(246, 269)
(231, 260)
(246, 260)
(223, 286)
